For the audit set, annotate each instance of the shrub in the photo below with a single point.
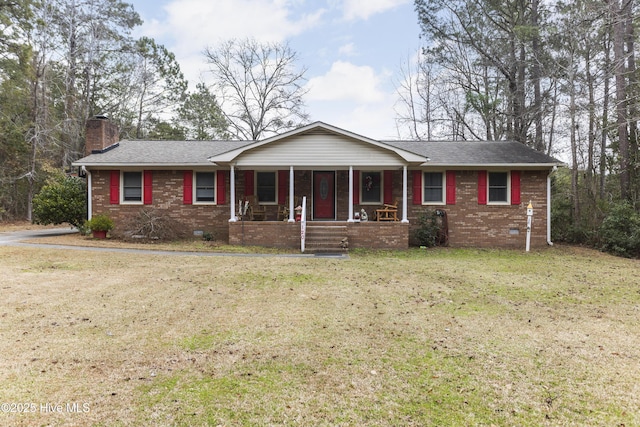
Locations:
(620, 231)
(99, 223)
(63, 200)
(429, 230)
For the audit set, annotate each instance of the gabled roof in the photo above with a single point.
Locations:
(318, 128)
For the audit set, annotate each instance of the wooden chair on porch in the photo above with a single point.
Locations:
(256, 211)
(388, 212)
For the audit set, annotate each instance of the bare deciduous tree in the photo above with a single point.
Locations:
(259, 87)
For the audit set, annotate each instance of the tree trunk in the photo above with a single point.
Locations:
(621, 95)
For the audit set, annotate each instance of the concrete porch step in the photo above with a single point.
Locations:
(325, 238)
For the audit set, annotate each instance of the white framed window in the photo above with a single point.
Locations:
(131, 187)
(204, 187)
(267, 187)
(371, 187)
(433, 188)
(498, 188)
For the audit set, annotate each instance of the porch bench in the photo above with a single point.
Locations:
(387, 212)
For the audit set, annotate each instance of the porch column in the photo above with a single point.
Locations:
(232, 195)
(404, 194)
(350, 219)
(291, 195)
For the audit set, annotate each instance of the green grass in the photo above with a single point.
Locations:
(441, 337)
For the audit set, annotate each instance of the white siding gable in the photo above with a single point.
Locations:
(319, 149)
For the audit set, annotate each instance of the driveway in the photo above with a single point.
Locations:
(17, 238)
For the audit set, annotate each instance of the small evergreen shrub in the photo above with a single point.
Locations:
(99, 223)
(63, 200)
(429, 227)
(619, 232)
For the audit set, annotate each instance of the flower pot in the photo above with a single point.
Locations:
(99, 234)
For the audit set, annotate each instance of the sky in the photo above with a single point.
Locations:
(353, 49)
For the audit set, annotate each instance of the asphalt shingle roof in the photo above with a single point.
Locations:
(469, 153)
(170, 153)
(196, 153)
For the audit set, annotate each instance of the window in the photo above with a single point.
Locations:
(433, 187)
(205, 187)
(266, 187)
(371, 187)
(132, 187)
(498, 187)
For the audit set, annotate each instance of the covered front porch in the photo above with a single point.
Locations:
(321, 236)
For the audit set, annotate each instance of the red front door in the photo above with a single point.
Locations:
(324, 200)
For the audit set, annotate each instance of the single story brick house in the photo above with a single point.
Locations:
(480, 189)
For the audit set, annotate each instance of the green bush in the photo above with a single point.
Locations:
(99, 223)
(619, 232)
(429, 230)
(63, 200)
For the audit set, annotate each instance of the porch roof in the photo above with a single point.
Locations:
(319, 144)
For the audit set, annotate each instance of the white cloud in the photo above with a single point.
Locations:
(346, 81)
(355, 98)
(347, 49)
(192, 25)
(363, 9)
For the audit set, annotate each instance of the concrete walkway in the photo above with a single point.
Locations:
(16, 238)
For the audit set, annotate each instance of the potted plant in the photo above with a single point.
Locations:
(99, 226)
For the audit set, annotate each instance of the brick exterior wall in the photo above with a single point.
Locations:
(167, 196)
(469, 224)
(474, 225)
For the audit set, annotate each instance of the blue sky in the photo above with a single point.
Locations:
(353, 49)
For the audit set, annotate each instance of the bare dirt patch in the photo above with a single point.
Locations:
(439, 337)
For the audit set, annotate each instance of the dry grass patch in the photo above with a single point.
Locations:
(439, 337)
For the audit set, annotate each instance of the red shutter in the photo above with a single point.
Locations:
(388, 187)
(187, 188)
(515, 187)
(356, 187)
(114, 188)
(147, 187)
(451, 187)
(482, 187)
(248, 183)
(221, 187)
(283, 186)
(417, 187)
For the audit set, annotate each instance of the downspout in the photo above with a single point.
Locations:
(89, 193)
(549, 242)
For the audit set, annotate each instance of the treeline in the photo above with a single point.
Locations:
(558, 76)
(64, 61)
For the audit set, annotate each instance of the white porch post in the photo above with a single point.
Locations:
(291, 195)
(404, 194)
(232, 195)
(350, 219)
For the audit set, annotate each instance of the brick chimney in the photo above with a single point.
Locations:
(100, 134)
